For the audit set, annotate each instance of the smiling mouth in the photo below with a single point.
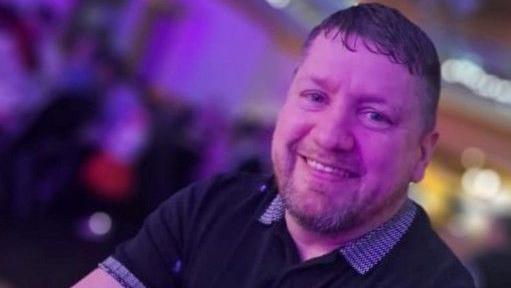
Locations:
(327, 169)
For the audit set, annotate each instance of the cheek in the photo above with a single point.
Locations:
(291, 127)
(385, 158)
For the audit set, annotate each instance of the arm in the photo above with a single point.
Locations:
(98, 278)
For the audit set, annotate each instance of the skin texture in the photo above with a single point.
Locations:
(358, 114)
(98, 278)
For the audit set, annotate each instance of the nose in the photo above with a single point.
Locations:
(334, 133)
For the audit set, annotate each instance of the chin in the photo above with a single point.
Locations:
(316, 211)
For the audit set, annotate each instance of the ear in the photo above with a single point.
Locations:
(427, 146)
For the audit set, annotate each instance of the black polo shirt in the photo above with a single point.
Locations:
(230, 232)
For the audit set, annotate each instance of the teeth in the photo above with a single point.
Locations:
(327, 169)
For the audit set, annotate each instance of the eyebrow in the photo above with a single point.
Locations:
(323, 82)
(375, 98)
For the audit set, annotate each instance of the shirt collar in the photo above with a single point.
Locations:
(368, 250)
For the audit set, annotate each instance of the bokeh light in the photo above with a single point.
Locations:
(100, 223)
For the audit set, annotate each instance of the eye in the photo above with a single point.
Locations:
(377, 117)
(315, 97)
(375, 120)
(313, 100)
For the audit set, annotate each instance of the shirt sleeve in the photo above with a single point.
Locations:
(154, 257)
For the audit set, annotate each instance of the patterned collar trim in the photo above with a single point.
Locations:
(274, 212)
(368, 250)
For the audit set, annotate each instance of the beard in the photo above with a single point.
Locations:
(326, 218)
(311, 206)
(320, 209)
(320, 214)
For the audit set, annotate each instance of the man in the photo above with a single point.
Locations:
(357, 127)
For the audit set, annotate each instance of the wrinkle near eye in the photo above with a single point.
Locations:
(375, 120)
(313, 99)
(314, 96)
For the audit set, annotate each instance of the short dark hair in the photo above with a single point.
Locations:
(384, 30)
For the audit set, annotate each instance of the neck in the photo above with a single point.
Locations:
(311, 244)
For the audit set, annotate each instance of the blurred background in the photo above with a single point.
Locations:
(109, 107)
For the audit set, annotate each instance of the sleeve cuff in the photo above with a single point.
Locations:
(120, 273)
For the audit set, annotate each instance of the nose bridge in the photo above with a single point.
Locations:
(334, 130)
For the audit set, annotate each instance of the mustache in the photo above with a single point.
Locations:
(350, 161)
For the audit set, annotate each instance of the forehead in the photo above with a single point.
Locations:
(360, 71)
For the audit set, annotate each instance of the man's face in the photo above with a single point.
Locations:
(349, 138)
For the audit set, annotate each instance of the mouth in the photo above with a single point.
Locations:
(331, 170)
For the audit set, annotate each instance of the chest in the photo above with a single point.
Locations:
(261, 256)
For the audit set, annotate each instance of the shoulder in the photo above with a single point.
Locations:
(190, 224)
(227, 187)
(220, 195)
(246, 183)
(423, 256)
(204, 201)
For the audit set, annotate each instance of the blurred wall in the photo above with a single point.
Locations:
(214, 54)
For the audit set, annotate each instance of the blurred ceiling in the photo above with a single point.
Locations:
(469, 28)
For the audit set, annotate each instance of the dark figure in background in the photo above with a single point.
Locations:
(42, 164)
(251, 154)
(491, 265)
(171, 156)
(357, 127)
